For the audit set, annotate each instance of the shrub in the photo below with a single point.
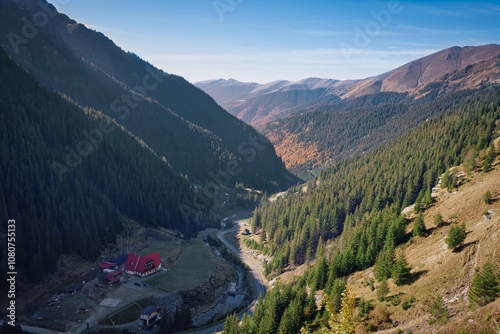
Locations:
(438, 220)
(438, 311)
(487, 197)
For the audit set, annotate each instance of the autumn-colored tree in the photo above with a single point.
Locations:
(342, 323)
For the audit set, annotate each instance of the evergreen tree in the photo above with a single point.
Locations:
(231, 325)
(485, 286)
(382, 290)
(456, 235)
(419, 227)
(401, 270)
(384, 263)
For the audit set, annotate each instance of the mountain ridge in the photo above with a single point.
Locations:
(263, 103)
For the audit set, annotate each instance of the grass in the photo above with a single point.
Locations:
(129, 313)
(126, 315)
(191, 268)
(167, 249)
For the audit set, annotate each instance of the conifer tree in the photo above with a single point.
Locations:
(401, 270)
(419, 228)
(382, 290)
(231, 325)
(485, 287)
(456, 235)
(384, 263)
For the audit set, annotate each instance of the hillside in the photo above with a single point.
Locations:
(349, 218)
(333, 133)
(421, 72)
(443, 273)
(175, 119)
(70, 176)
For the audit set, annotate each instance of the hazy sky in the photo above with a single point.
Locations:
(262, 41)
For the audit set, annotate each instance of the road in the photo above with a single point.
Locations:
(259, 279)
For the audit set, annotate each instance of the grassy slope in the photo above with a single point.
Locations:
(445, 273)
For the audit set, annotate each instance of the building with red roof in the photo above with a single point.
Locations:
(142, 265)
(114, 276)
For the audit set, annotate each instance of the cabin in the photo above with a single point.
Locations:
(143, 265)
(149, 315)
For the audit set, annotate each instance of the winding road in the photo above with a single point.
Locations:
(260, 281)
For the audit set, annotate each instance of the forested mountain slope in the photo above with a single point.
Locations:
(349, 219)
(351, 128)
(177, 120)
(389, 178)
(70, 176)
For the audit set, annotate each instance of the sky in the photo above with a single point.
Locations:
(263, 41)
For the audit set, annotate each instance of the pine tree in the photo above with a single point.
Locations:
(419, 228)
(231, 325)
(401, 270)
(456, 235)
(382, 290)
(384, 263)
(485, 286)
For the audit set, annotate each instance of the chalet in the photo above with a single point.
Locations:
(149, 315)
(142, 265)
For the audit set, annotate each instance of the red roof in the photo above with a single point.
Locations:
(112, 277)
(107, 265)
(142, 264)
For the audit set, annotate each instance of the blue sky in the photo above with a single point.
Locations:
(263, 41)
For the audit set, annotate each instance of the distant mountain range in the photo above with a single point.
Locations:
(449, 70)
(316, 122)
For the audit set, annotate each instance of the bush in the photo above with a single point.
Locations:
(408, 303)
(438, 220)
(487, 197)
(456, 235)
(396, 301)
(365, 306)
(438, 311)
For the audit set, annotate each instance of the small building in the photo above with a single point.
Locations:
(149, 315)
(106, 265)
(113, 277)
(142, 265)
(232, 289)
